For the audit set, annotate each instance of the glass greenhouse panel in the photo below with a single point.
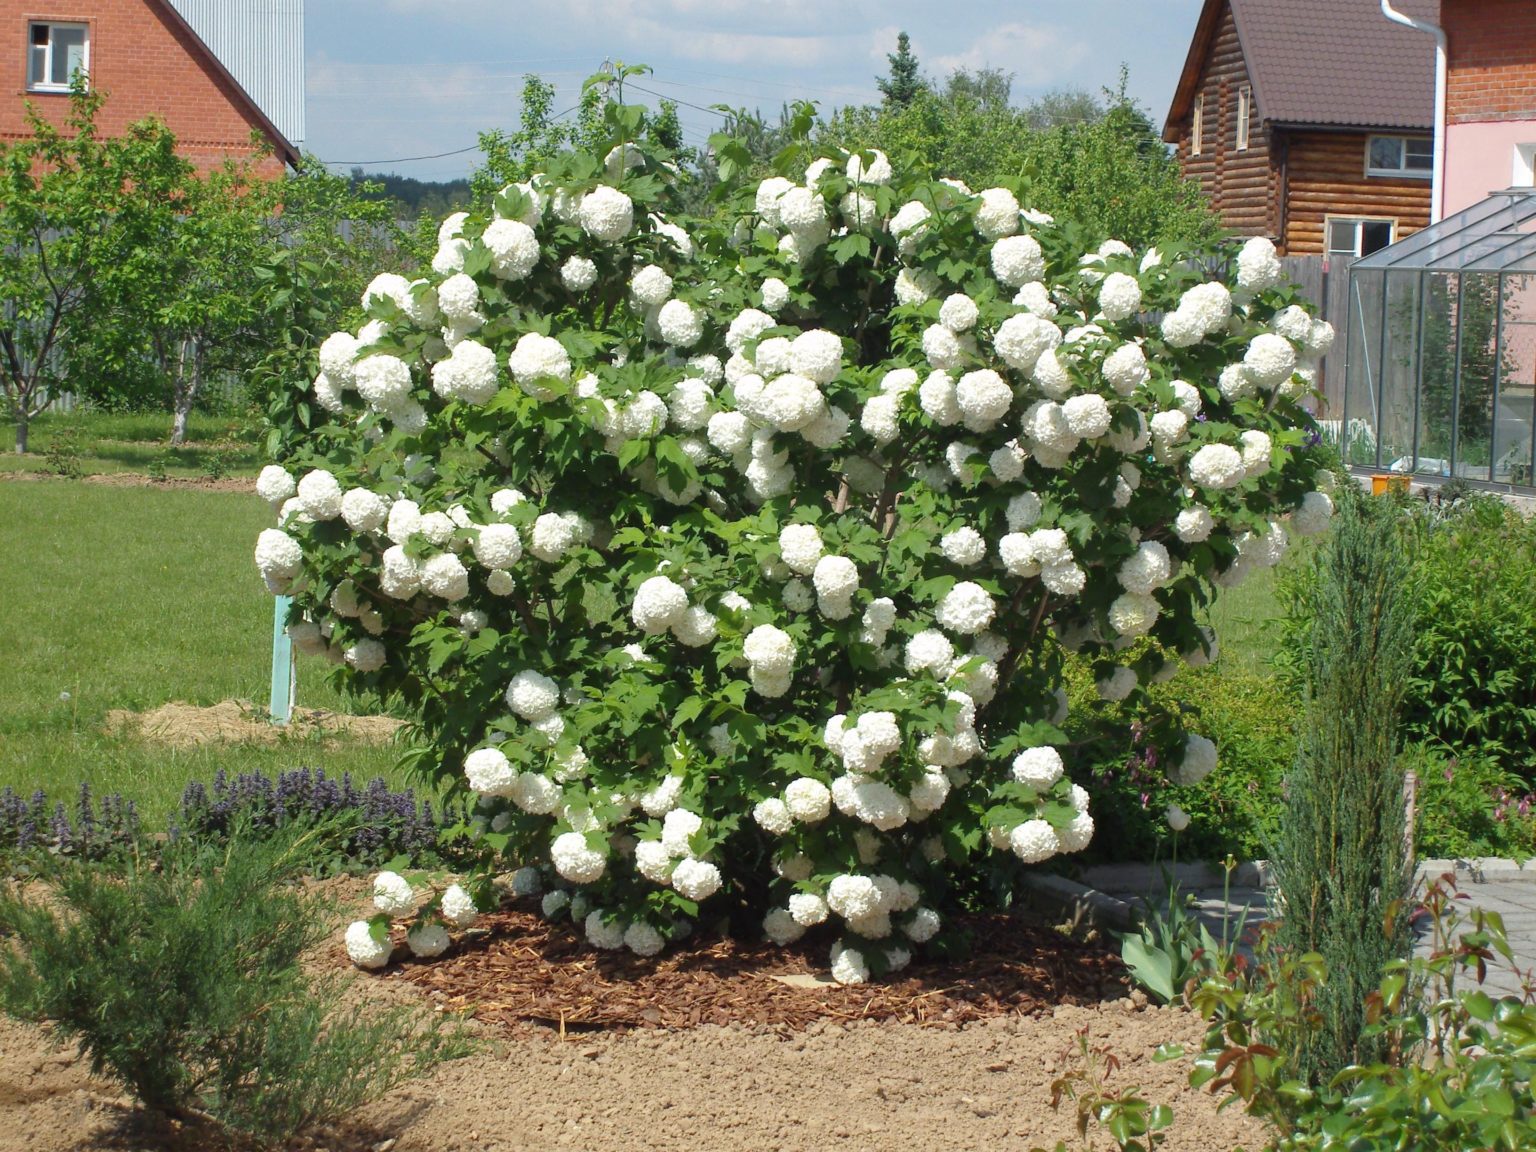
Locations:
(1514, 435)
(1479, 327)
(1437, 372)
(1354, 430)
(1398, 358)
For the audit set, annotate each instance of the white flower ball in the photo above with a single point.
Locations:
(853, 897)
(274, 485)
(429, 940)
(1177, 818)
(469, 374)
(958, 313)
(1194, 524)
(1149, 568)
(1117, 685)
(536, 357)
(983, 399)
(1126, 369)
(914, 286)
(696, 879)
(1077, 834)
(489, 773)
(998, 214)
(1119, 297)
(533, 696)
(602, 931)
(458, 906)
(606, 214)
(808, 801)
(772, 815)
(651, 286)
(1034, 841)
(578, 274)
(967, 609)
(1038, 768)
(681, 324)
(1269, 360)
(1087, 416)
(1018, 261)
(514, 248)
(1197, 762)
(1311, 517)
(642, 939)
(365, 655)
(445, 576)
(769, 649)
(392, 893)
(876, 171)
(929, 651)
(807, 909)
(1258, 266)
(848, 965)
(800, 547)
(363, 950)
(278, 555)
(964, 547)
(1217, 466)
(659, 603)
(574, 860)
(775, 294)
(1021, 339)
(653, 861)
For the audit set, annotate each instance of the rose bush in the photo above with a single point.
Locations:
(730, 561)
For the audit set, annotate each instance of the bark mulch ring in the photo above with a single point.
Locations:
(518, 970)
(178, 725)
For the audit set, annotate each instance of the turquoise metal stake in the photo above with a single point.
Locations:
(282, 662)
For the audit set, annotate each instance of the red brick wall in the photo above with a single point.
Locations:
(146, 64)
(1492, 60)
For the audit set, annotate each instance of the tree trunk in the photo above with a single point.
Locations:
(184, 392)
(21, 429)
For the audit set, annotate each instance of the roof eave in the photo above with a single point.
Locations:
(282, 147)
(1199, 48)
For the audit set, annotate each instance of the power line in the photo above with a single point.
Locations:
(409, 159)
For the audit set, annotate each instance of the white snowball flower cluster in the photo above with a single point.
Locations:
(1259, 266)
(770, 656)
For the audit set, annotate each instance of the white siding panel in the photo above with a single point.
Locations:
(261, 42)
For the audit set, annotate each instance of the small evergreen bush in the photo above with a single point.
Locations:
(1343, 879)
(182, 980)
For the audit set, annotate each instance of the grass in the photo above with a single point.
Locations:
(131, 598)
(114, 442)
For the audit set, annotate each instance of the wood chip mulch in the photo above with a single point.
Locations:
(520, 970)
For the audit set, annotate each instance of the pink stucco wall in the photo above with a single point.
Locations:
(1480, 158)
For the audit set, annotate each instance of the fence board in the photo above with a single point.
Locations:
(1323, 282)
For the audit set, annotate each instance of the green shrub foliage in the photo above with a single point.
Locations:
(180, 977)
(730, 562)
(1343, 878)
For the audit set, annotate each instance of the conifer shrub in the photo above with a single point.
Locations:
(181, 979)
(1343, 875)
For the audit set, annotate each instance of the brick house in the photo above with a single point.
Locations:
(158, 58)
(1490, 98)
(1309, 121)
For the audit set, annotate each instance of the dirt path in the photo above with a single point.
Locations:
(865, 1086)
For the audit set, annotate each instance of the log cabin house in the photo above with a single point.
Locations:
(1309, 121)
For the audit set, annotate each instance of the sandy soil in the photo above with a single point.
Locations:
(179, 725)
(865, 1086)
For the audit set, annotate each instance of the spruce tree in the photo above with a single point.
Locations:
(904, 82)
(1343, 874)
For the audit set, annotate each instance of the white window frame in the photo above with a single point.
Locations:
(1402, 171)
(1524, 174)
(46, 85)
(1197, 127)
(1330, 221)
(1244, 114)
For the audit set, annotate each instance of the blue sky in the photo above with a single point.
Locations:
(390, 79)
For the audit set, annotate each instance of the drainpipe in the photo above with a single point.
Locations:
(1437, 185)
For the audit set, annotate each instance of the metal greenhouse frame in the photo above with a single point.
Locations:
(1440, 353)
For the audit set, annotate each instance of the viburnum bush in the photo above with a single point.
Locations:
(730, 562)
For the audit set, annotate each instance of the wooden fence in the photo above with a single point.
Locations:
(1324, 282)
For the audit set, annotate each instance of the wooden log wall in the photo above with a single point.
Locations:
(1326, 177)
(1242, 186)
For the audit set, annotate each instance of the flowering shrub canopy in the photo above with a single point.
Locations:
(730, 562)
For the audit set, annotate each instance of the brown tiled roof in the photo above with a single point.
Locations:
(1336, 63)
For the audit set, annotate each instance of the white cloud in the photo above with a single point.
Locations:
(1035, 55)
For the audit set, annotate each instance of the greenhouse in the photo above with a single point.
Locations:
(1440, 354)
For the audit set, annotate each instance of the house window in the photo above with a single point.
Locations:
(55, 53)
(1197, 129)
(1244, 112)
(1400, 156)
(1525, 166)
(1358, 236)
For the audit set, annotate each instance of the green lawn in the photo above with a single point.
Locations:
(131, 598)
(109, 442)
